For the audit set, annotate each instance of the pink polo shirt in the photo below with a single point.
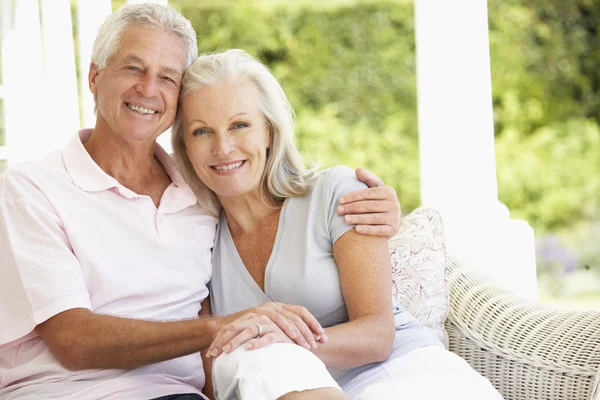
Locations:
(71, 237)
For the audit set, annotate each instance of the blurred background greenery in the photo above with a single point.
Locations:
(348, 68)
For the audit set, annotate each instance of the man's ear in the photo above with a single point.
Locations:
(93, 78)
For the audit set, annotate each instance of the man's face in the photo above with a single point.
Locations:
(137, 92)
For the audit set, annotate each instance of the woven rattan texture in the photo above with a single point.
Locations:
(527, 351)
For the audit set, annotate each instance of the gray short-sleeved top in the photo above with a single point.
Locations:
(302, 270)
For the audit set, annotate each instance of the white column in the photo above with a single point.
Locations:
(61, 78)
(90, 15)
(24, 87)
(456, 144)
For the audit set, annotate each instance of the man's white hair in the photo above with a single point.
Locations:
(148, 15)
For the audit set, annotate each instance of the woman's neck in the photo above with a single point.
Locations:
(245, 213)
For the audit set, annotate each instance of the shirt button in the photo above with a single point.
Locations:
(138, 199)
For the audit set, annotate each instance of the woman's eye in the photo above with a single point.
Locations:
(240, 125)
(199, 132)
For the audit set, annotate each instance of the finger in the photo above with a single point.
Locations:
(376, 230)
(322, 338)
(227, 333)
(305, 332)
(377, 193)
(369, 178)
(309, 319)
(368, 206)
(285, 325)
(370, 219)
(248, 334)
(265, 340)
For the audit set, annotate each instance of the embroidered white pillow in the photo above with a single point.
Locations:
(418, 257)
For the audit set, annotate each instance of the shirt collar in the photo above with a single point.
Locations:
(88, 176)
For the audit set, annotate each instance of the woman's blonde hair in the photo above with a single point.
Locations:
(285, 174)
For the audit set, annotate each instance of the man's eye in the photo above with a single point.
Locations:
(133, 68)
(166, 78)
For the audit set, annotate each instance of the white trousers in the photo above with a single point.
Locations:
(268, 373)
(428, 373)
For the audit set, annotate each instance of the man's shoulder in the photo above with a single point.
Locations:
(50, 168)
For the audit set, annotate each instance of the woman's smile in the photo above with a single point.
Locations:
(228, 168)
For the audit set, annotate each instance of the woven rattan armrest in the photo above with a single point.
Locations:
(526, 350)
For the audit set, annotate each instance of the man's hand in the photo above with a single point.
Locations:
(280, 323)
(375, 211)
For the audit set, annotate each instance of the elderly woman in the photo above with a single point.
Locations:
(280, 240)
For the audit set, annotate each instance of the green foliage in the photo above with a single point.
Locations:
(551, 176)
(324, 133)
(544, 62)
(547, 109)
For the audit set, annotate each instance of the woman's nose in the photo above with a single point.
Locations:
(223, 145)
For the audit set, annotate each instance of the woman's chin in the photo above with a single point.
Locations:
(230, 192)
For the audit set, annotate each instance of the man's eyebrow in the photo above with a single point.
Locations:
(136, 59)
(170, 70)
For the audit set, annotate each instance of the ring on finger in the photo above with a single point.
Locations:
(259, 331)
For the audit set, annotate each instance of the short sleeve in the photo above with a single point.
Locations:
(41, 276)
(338, 182)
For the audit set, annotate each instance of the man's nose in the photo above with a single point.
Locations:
(148, 85)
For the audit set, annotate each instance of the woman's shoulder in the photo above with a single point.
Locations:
(336, 174)
(338, 178)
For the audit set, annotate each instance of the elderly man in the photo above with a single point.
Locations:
(105, 253)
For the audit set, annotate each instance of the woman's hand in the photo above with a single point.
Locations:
(284, 323)
(375, 211)
(252, 330)
(296, 321)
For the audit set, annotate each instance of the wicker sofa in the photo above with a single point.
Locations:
(527, 351)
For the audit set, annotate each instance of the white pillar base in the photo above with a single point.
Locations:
(500, 248)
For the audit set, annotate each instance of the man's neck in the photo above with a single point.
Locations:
(132, 164)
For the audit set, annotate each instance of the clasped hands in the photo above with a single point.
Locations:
(266, 324)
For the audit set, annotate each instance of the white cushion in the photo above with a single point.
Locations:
(418, 257)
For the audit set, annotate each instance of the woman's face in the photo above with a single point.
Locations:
(226, 137)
